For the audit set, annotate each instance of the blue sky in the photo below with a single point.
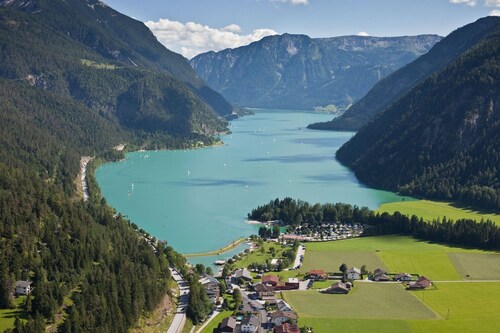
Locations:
(193, 26)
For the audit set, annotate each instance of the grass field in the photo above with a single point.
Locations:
(210, 328)
(430, 210)
(327, 325)
(477, 266)
(8, 316)
(258, 257)
(401, 254)
(367, 300)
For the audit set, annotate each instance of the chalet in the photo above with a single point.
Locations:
(281, 317)
(317, 275)
(243, 274)
(421, 283)
(23, 287)
(403, 277)
(250, 324)
(353, 273)
(293, 283)
(381, 276)
(227, 325)
(286, 328)
(264, 291)
(379, 271)
(211, 287)
(337, 288)
(271, 280)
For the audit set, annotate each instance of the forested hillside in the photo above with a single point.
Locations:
(442, 139)
(299, 72)
(71, 85)
(389, 90)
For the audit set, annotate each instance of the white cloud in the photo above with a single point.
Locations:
(471, 3)
(191, 39)
(492, 3)
(293, 2)
(495, 12)
(363, 33)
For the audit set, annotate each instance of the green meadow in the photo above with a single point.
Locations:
(458, 302)
(430, 210)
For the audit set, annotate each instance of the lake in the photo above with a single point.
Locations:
(197, 200)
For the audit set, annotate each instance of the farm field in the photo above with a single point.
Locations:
(430, 210)
(8, 316)
(400, 254)
(367, 300)
(472, 265)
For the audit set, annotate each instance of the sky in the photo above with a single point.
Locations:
(191, 27)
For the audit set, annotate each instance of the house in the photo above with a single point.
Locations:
(283, 306)
(381, 277)
(211, 287)
(281, 317)
(227, 325)
(337, 288)
(317, 275)
(421, 283)
(379, 271)
(271, 280)
(286, 328)
(23, 287)
(243, 274)
(250, 324)
(293, 283)
(264, 291)
(353, 273)
(403, 277)
(275, 262)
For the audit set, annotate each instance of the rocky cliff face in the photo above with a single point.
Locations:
(299, 72)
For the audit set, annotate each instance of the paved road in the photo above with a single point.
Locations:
(255, 306)
(179, 320)
(300, 252)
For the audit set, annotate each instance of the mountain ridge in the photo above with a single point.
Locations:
(300, 72)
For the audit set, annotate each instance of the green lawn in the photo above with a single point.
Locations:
(367, 300)
(473, 307)
(430, 210)
(328, 325)
(396, 254)
(8, 316)
(258, 257)
(210, 328)
(477, 266)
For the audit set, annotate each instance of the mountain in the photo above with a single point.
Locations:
(441, 140)
(299, 72)
(87, 51)
(77, 78)
(390, 89)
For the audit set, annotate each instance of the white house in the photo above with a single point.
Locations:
(280, 317)
(23, 287)
(353, 273)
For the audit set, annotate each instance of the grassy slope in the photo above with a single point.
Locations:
(430, 210)
(8, 316)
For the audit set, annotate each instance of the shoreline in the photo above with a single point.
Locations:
(222, 250)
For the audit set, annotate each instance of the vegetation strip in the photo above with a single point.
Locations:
(222, 250)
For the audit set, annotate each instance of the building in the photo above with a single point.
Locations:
(227, 325)
(23, 287)
(242, 273)
(293, 283)
(379, 271)
(337, 288)
(283, 306)
(271, 280)
(403, 277)
(317, 275)
(281, 317)
(286, 328)
(211, 287)
(264, 291)
(421, 283)
(250, 324)
(353, 273)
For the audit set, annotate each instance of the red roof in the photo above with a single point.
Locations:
(286, 328)
(317, 272)
(270, 279)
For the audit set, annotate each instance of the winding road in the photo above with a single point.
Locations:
(179, 320)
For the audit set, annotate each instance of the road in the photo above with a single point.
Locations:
(179, 320)
(254, 306)
(300, 252)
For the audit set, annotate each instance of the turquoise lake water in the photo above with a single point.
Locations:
(197, 200)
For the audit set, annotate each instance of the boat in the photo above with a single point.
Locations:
(220, 262)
